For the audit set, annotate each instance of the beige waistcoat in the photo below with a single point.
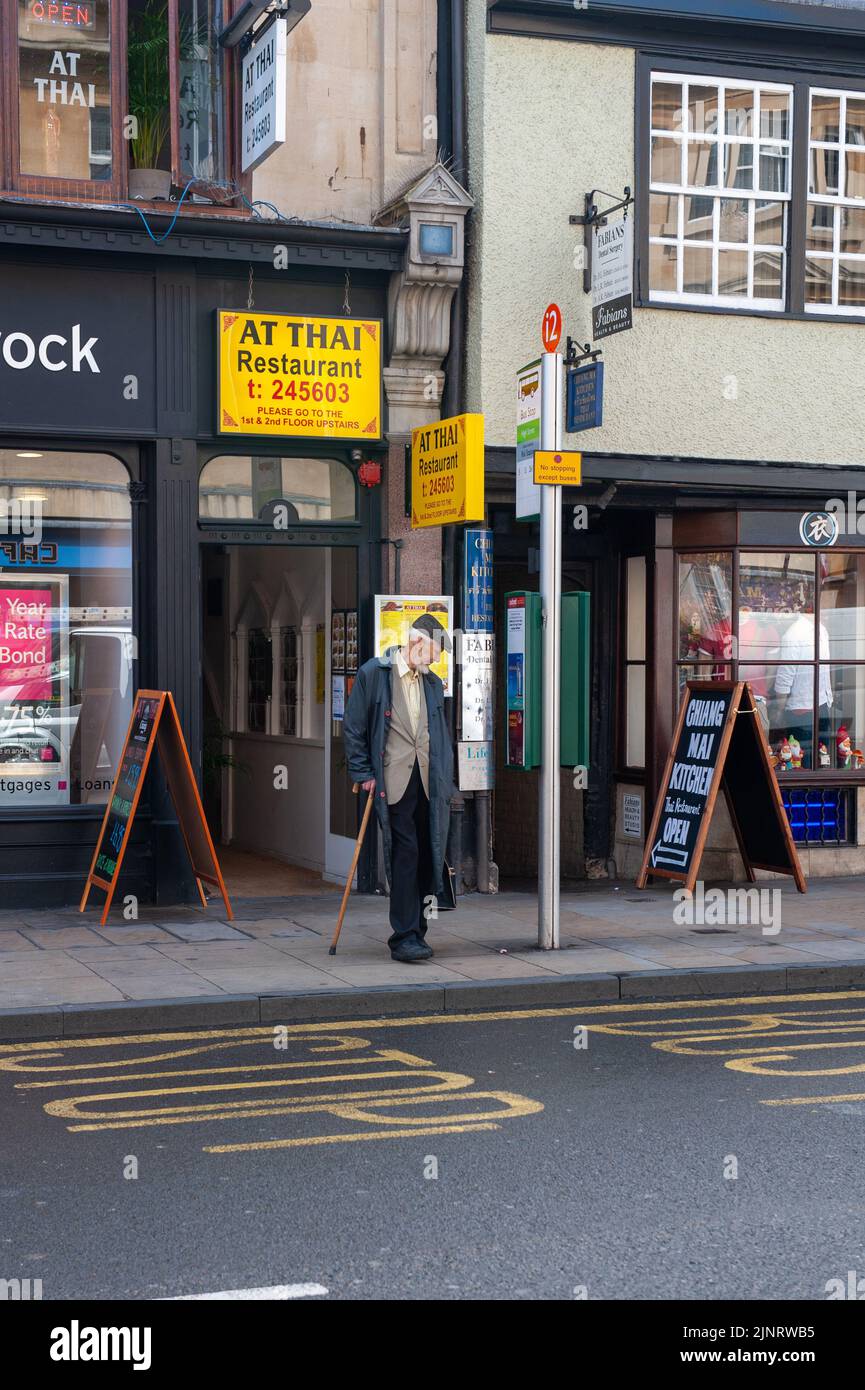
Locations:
(402, 746)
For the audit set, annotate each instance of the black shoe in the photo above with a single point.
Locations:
(410, 951)
(427, 949)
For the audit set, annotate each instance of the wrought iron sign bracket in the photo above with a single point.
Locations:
(593, 216)
(574, 358)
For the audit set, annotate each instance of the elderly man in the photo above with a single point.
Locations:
(398, 745)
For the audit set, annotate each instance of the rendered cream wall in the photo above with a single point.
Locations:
(361, 92)
(547, 122)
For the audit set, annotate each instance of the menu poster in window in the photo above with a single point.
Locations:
(394, 616)
(718, 742)
(337, 641)
(36, 721)
(154, 723)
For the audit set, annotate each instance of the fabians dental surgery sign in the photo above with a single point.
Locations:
(312, 378)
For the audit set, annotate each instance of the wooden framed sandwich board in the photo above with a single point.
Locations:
(154, 724)
(718, 742)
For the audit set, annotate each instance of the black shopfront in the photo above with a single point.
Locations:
(108, 420)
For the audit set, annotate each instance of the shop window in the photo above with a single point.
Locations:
(720, 157)
(66, 640)
(278, 492)
(74, 138)
(289, 681)
(819, 815)
(835, 237)
(259, 680)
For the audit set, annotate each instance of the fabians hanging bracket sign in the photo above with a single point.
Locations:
(313, 378)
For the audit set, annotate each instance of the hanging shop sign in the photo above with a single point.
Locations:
(612, 277)
(718, 742)
(311, 378)
(395, 614)
(477, 579)
(264, 95)
(36, 721)
(475, 767)
(477, 678)
(154, 723)
(447, 471)
(584, 398)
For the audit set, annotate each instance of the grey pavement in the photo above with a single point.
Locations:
(61, 973)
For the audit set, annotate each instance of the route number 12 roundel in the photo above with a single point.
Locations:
(551, 327)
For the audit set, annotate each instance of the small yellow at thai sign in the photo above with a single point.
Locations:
(557, 466)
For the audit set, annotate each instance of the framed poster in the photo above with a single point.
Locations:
(36, 721)
(395, 614)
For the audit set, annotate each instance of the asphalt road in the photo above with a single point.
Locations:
(692, 1150)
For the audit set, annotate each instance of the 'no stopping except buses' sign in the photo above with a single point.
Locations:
(313, 378)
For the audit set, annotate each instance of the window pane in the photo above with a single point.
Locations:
(776, 597)
(701, 673)
(855, 174)
(824, 172)
(149, 94)
(703, 110)
(733, 272)
(852, 229)
(775, 115)
(667, 105)
(790, 734)
(202, 133)
(698, 218)
(855, 133)
(697, 270)
(64, 94)
(702, 163)
(635, 646)
(635, 716)
(851, 282)
(739, 111)
(259, 680)
(663, 214)
(770, 221)
(663, 263)
(67, 647)
(666, 160)
(705, 586)
(842, 713)
(774, 160)
(739, 164)
(244, 487)
(819, 226)
(818, 281)
(734, 219)
(768, 275)
(842, 603)
(825, 118)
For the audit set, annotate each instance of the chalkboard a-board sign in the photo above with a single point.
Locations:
(718, 742)
(154, 724)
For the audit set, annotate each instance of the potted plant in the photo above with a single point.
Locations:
(149, 99)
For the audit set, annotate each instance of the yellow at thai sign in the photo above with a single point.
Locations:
(554, 466)
(313, 378)
(447, 471)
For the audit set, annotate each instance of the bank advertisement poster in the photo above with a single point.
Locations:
(309, 378)
(36, 721)
(395, 614)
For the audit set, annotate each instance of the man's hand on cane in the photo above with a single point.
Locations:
(369, 786)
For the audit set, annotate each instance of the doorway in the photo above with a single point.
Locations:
(279, 643)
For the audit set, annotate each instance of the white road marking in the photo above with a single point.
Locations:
(275, 1292)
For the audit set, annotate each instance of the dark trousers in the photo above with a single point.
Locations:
(411, 861)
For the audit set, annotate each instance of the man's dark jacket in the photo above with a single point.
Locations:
(365, 730)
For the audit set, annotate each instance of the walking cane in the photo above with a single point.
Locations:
(359, 842)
